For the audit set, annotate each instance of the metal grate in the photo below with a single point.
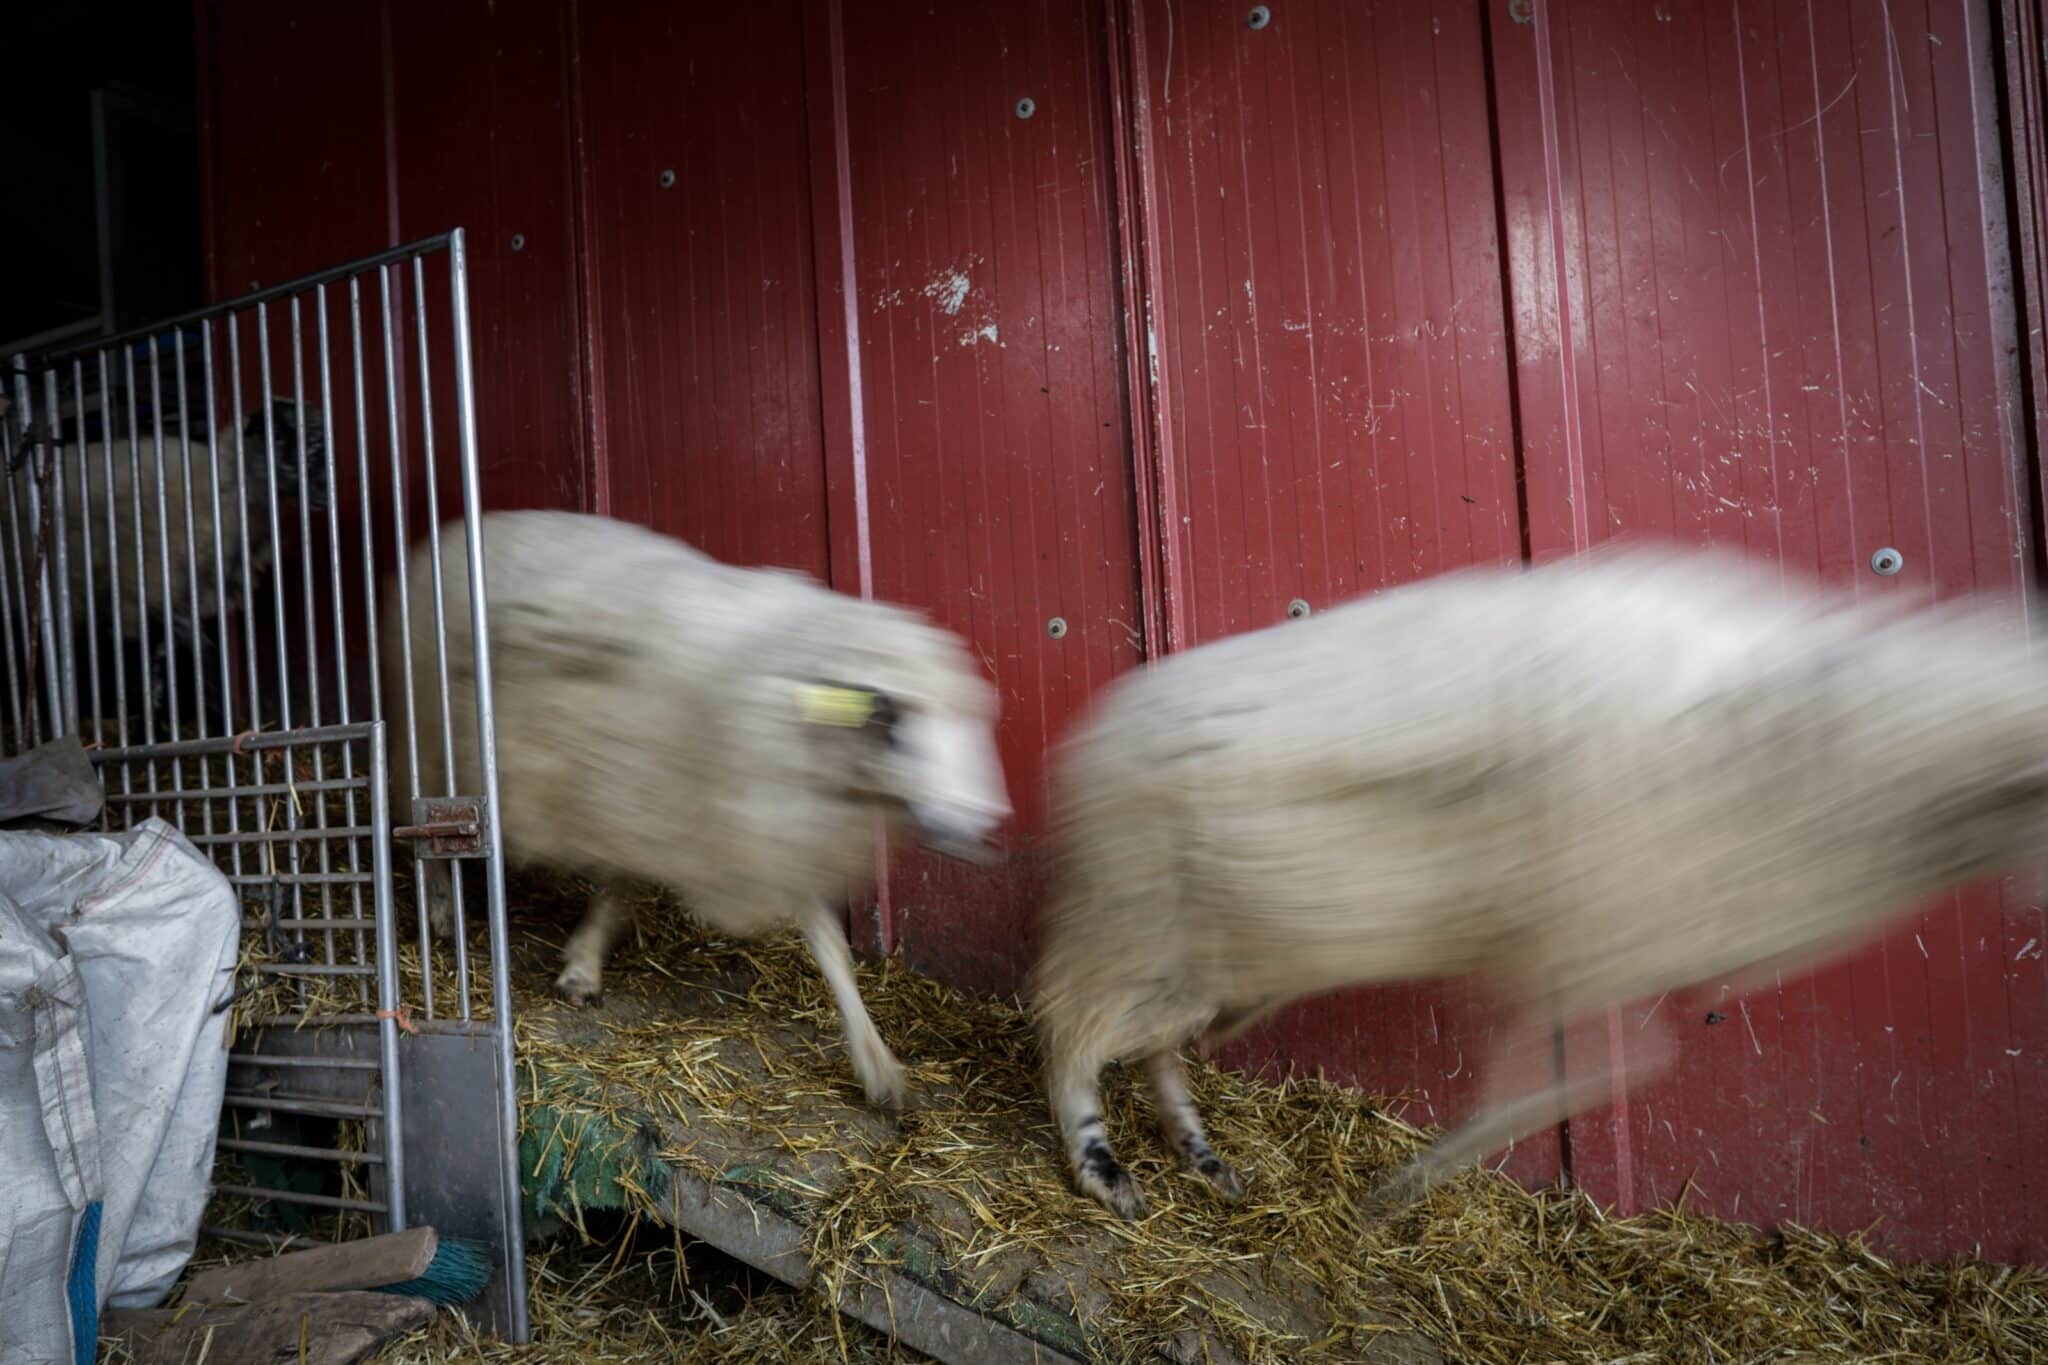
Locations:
(200, 523)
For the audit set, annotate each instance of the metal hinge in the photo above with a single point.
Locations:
(446, 827)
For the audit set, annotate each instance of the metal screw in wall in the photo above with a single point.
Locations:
(519, 241)
(667, 179)
(1297, 609)
(1057, 627)
(1026, 107)
(1887, 562)
(1259, 17)
(1522, 11)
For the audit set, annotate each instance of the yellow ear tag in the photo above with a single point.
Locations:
(844, 706)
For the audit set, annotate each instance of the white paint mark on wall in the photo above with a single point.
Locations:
(949, 289)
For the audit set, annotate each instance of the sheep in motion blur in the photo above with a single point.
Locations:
(728, 733)
(1587, 783)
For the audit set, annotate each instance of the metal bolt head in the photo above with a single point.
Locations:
(1259, 17)
(1057, 627)
(519, 241)
(1026, 107)
(667, 179)
(1297, 609)
(1887, 562)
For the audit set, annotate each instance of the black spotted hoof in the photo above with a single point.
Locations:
(1104, 1177)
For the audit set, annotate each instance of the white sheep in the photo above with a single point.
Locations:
(731, 734)
(1588, 783)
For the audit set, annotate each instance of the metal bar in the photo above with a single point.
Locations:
(60, 529)
(368, 535)
(369, 547)
(299, 1060)
(247, 790)
(85, 550)
(314, 968)
(287, 922)
(141, 564)
(19, 597)
(163, 554)
(293, 1149)
(197, 622)
(301, 1104)
(298, 879)
(14, 665)
(275, 563)
(318, 1201)
(334, 595)
(487, 758)
(247, 623)
(433, 479)
(401, 578)
(221, 609)
(425, 246)
(312, 617)
(50, 718)
(336, 832)
(387, 977)
(252, 743)
(191, 534)
(120, 636)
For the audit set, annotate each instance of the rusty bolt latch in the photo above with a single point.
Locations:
(450, 827)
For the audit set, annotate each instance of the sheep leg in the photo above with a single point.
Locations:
(881, 1075)
(584, 955)
(1501, 1121)
(1183, 1125)
(1077, 1105)
(437, 876)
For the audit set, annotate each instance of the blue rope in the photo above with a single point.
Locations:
(82, 1287)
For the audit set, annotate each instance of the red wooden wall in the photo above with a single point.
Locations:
(1242, 316)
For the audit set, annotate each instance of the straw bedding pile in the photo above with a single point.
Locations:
(721, 1059)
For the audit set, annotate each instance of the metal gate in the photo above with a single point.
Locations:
(202, 521)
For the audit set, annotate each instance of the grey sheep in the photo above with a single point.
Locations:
(139, 535)
(732, 734)
(1587, 783)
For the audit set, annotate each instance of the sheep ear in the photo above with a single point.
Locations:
(849, 708)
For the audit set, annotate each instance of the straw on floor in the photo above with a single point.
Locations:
(706, 1048)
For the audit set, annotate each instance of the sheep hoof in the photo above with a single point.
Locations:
(1223, 1176)
(883, 1081)
(1395, 1194)
(578, 988)
(1120, 1193)
(1107, 1180)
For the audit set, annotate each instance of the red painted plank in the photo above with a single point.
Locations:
(1334, 353)
(298, 124)
(480, 108)
(702, 309)
(991, 380)
(1780, 302)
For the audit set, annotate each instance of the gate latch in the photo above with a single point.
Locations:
(446, 827)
